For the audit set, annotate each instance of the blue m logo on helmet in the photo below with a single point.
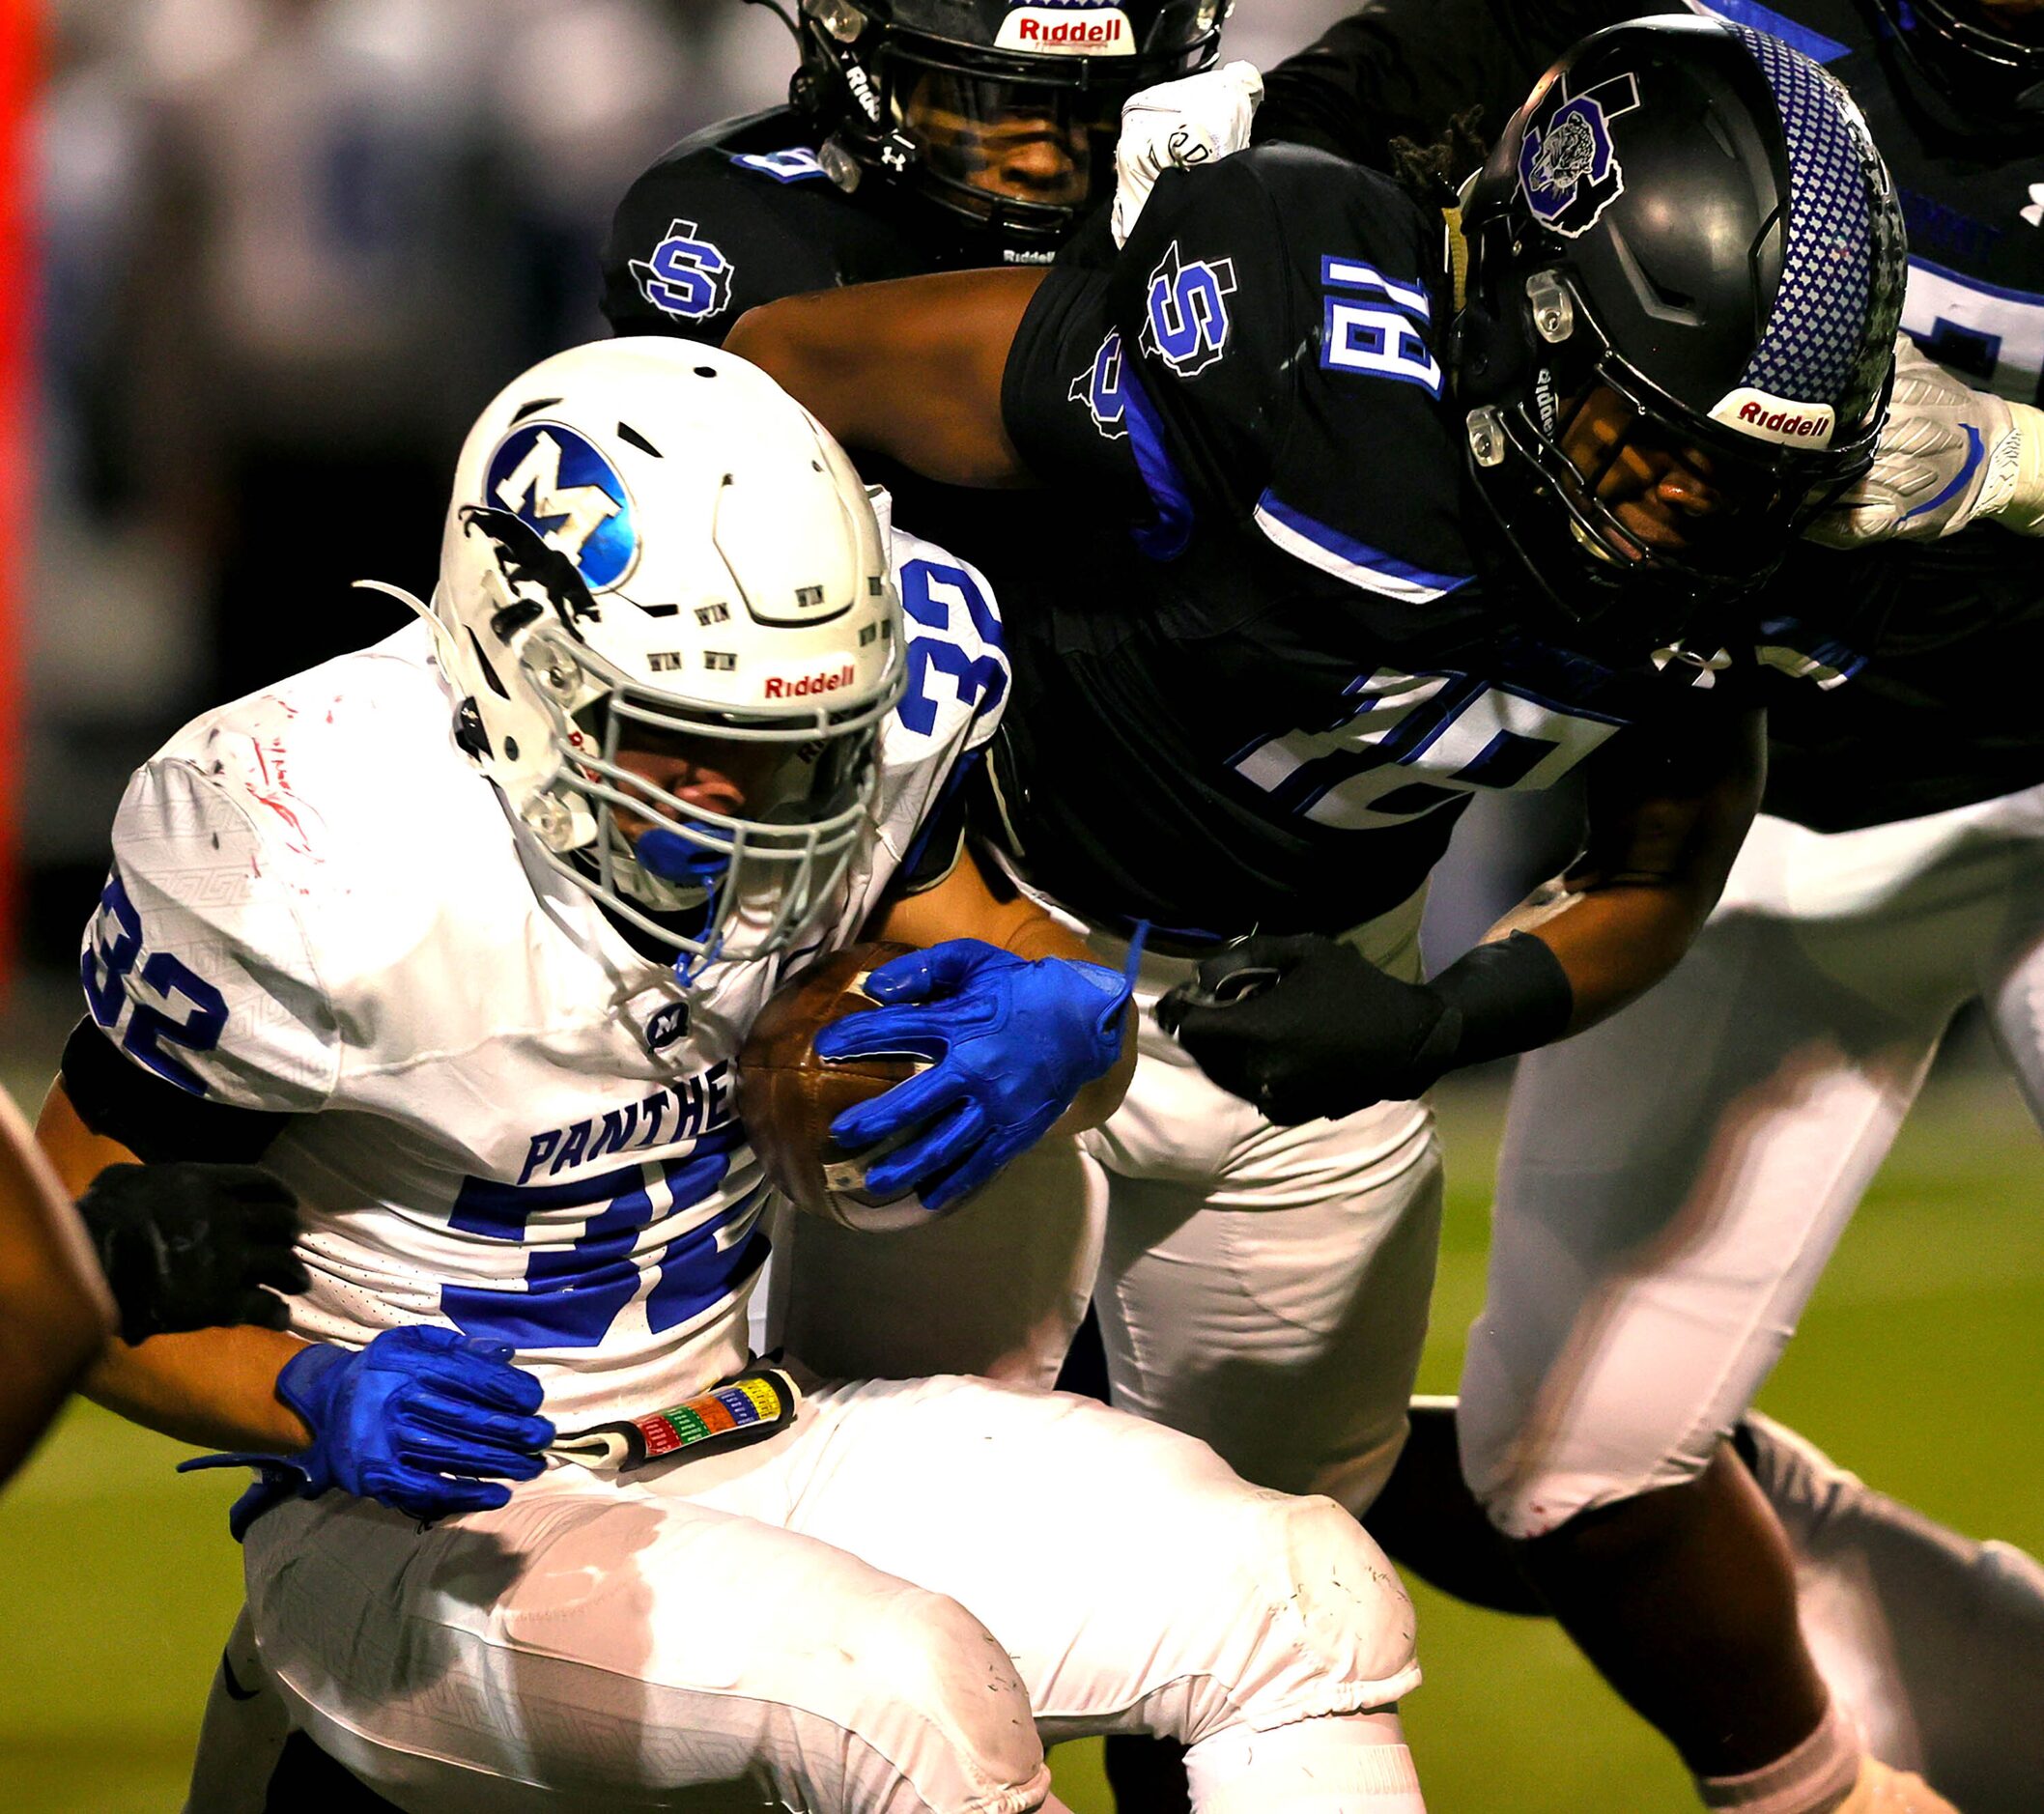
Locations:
(555, 481)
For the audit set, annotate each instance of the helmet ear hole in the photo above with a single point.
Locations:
(1488, 360)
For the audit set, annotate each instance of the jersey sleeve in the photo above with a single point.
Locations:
(957, 686)
(702, 237)
(1265, 351)
(195, 964)
(1154, 383)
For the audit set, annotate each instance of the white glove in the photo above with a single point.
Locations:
(1919, 487)
(1192, 121)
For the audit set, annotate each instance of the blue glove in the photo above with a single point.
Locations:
(423, 1418)
(1010, 1044)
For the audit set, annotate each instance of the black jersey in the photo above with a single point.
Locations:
(1933, 642)
(1273, 675)
(739, 215)
(743, 214)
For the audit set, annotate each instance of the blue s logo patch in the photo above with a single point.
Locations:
(1100, 388)
(1187, 315)
(1567, 165)
(560, 485)
(685, 276)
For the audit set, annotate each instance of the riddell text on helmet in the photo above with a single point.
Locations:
(809, 684)
(1099, 32)
(1777, 418)
(1780, 423)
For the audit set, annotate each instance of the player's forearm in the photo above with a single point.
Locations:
(911, 369)
(55, 1311)
(1624, 916)
(213, 1387)
(1613, 942)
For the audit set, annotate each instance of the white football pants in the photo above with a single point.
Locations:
(1672, 1182)
(1933, 1643)
(1261, 1288)
(886, 1609)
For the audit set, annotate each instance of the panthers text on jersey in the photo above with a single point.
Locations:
(1938, 638)
(1279, 668)
(501, 1115)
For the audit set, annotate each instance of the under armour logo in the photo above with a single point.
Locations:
(2034, 213)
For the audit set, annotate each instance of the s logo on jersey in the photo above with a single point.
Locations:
(1187, 320)
(557, 483)
(686, 277)
(1567, 165)
(1100, 388)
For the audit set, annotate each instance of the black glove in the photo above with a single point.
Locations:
(193, 1246)
(1307, 1026)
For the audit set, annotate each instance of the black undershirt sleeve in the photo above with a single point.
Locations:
(119, 1100)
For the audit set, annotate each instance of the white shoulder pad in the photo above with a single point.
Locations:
(280, 873)
(196, 963)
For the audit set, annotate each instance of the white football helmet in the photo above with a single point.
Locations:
(670, 620)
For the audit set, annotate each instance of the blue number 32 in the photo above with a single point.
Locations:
(115, 981)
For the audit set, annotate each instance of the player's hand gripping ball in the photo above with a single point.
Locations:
(788, 1096)
(985, 1051)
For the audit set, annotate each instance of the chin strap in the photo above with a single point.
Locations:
(443, 637)
(1457, 254)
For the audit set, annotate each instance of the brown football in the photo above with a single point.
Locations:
(787, 1096)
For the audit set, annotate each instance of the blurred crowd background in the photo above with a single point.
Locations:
(288, 249)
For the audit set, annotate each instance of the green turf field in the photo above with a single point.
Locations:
(1919, 1364)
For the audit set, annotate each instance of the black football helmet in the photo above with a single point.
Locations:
(1685, 266)
(997, 117)
(1987, 61)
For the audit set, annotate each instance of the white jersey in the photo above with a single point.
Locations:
(508, 1120)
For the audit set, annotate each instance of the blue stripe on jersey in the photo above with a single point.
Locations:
(2034, 298)
(1166, 538)
(1813, 44)
(1326, 548)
